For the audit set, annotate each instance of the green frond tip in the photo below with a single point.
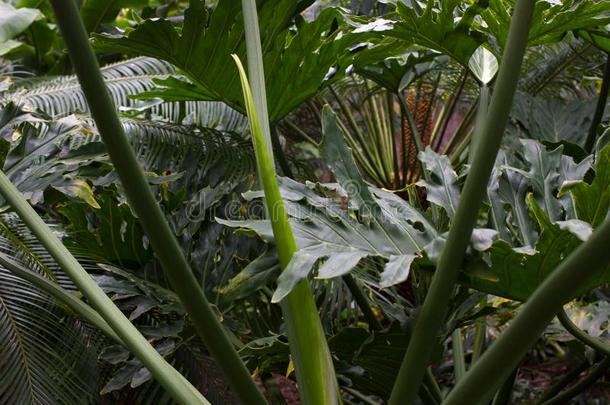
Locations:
(276, 210)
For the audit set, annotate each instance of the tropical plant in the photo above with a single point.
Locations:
(444, 194)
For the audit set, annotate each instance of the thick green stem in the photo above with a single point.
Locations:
(600, 108)
(441, 289)
(308, 347)
(559, 287)
(137, 344)
(143, 202)
(583, 384)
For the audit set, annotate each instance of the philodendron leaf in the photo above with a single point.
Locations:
(483, 64)
(515, 273)
(592, 201)
(444, 27)
(324, 229)
(442, 186)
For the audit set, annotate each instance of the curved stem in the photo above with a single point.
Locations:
(583, 384)
(595, 343)
(559, 287)
(144, 204)
(441, 289)
(600, 108)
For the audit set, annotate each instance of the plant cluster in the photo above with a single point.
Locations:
(396, 202)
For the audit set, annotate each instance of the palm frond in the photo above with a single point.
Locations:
(47, 356)
(61, 96)
(560, 68)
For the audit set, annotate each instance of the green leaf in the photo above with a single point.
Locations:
(95, 12)
(483, 64)
(445, 26)
(551, 20)
(553, 120)
(323, 228)
(516, 273)
(592, 201)
(442, 185)
(202, 47)
(13, 21)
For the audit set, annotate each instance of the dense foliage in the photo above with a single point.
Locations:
(375, 115)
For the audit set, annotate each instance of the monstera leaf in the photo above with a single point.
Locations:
(297, 61)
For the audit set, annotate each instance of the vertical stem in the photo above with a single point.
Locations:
(480, 334)
(600, 108)
(142, 200)
(308, 347)
(441, 289)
